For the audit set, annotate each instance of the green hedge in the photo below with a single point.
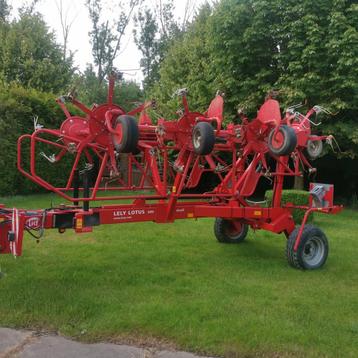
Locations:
(18, 106)
(297, 197)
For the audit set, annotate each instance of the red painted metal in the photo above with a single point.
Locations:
(160, 170)
(270, 113)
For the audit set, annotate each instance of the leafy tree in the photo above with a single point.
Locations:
(156, 30)
(341, 90)
(30, 56)
(106, 38)
(243, 51)
(146, 41)
(186, 65)
(66, 25)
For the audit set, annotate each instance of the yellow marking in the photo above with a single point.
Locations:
(257, 212)
(79, 223)
(174, 190)
(190, 215)
(2, 219)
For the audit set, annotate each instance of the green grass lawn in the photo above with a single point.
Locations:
(175, 284)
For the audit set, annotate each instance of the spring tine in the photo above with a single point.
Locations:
(50, 158)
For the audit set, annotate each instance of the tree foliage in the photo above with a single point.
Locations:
(145, 36)
(106, 37)
(29, 54)
(66, 24)
(155, 32)
(18, 107)
(186, 65)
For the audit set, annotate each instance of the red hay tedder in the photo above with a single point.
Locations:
(110, 151)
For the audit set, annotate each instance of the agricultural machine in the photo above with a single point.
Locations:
(150, 170)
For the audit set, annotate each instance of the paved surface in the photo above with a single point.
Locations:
(27, 344)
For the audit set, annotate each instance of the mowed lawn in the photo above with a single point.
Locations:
(175, 284)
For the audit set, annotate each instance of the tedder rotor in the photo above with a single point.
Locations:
(113, 155)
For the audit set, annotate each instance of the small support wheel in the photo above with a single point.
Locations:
(312, 251)
(203, 138)
(314, 148)
(127, 134)
(282, 141)
(230, 231)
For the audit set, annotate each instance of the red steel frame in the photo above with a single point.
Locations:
(167, 164)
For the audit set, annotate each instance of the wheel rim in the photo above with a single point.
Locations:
(278, 139)
(233, 229)
(313, 251)
(119, 134)
(196, 139)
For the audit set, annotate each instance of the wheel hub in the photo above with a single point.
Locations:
(278, 140)
(313, 251)
(233, 228)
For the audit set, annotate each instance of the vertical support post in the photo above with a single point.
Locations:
(278, 185)
(129, 171)
(178, 187)
(86, 189)
(165, 169)
(76, 185)
(110, 89)
(185, 104)
(233, 169)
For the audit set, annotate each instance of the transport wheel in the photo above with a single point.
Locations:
(126, 138)
(283, 142)
(312, 251)
(314, 148)
(230, 231)
(203, 138)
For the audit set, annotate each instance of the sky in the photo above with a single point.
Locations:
(78, 38)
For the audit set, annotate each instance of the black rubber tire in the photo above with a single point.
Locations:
(289, 144)
(203, 138)
(311, 236)
(130, 134)
(314, 149)
(221, 230)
